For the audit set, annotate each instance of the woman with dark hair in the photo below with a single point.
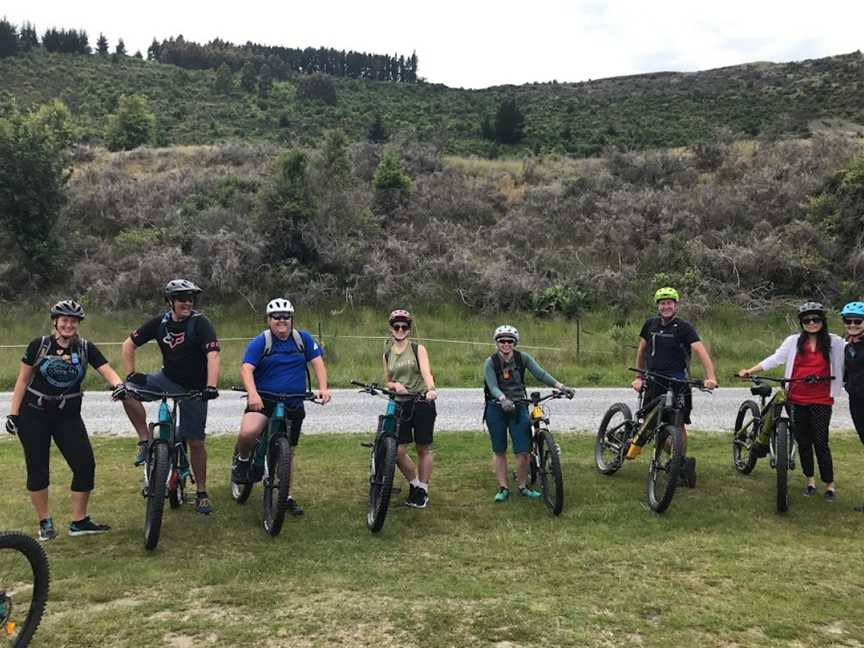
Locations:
(853, 376)
(812, 352)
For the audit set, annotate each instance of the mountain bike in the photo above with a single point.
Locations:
(24, 582)
(167, 467)
(545, 457)
(271, 462)
(661, 419)
(771, 418)
(382, 454)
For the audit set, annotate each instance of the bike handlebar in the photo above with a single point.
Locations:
(555, 393)
(373, 389)
(136, 390)
(278, 396)
(812, 379)
(660, 378)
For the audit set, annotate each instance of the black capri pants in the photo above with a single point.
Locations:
(36, 428)
(811, 431)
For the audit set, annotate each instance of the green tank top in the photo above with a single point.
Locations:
(404, 368)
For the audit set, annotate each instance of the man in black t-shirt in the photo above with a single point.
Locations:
(190, 362)
(666, 345)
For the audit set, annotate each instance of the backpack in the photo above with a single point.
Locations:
(189, 331)
(78, 352)
(413, 348)
(654, 327)
(499, 371)
(298, 342)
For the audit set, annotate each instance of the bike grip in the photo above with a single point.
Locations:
(238, 388)
(358, 384)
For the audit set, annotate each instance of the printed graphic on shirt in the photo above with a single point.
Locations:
(62, 371)
(173, 340)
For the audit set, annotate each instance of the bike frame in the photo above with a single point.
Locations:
(778, 402)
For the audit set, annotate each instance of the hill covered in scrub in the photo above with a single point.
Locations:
(660, 110)
(740, 222)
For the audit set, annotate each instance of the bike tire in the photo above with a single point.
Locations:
(551, 479)
(382, 465)
(781, 465)
(158, 467)
(277, 485)
(239, 492)
(613, 439)
(32, 567)
(746, 428)
(665, 467)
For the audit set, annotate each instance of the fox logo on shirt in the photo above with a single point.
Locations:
(173, 340)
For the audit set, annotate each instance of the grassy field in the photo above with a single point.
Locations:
(458, 341)
(720, 568)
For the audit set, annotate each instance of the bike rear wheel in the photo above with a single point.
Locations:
(158, 467)
(665, 467)
(382, 464)
(746, 428)
(277, 485)
(551, 479)
(239, 492)
(781, 464)
(613, 438)
(24, 582)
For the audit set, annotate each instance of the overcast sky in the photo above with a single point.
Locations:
(479, 44)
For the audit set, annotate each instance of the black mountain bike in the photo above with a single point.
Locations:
(382, 455)
(167, 467)
(661, 419)
(24, 581)
(271, 462)
(545, 460)
(774, 413)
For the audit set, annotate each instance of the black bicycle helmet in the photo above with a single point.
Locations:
(69, 308)
(177, 286)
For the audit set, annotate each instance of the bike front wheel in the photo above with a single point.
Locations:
(613, 438)
(781, 464)
(277, 485)
(665, 467)
(746, 427)
(24, 581)
(382, 464)
(158, 468)
(551, 479)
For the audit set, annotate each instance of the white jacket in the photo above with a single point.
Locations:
(787, 351)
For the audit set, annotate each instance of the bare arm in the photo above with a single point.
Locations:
(755, 369)
(426, 372)
(253, 398)
(127, 355)
(109, 375)
(708, 366)
(25, 372)
(639, 363)
(321, 378)
(213, 362)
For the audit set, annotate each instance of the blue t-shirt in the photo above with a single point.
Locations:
(284, 370)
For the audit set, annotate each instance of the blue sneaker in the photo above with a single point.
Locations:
(46, 530)
(529, 492)
(203, 504)
(87, 527)
(502, 494)
(141, 454)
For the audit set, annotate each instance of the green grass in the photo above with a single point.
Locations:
(354, 341)
(720, 568)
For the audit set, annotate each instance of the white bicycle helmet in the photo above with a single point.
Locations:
(506, 330)
(280, 305)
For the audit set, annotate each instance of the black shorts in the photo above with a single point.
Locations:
(294, 418)
(653, 390)
(417, 422)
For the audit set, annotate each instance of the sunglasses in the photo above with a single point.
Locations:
(853, 322)
(400, 327)
(506, 341)
(184, 298)
(280, 317)
(811, 320)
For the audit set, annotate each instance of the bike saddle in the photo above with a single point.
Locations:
(761, 390)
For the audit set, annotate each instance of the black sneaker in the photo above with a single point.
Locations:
(141, 454)
(810, 490)
(46, 530)
(293, 507)
(409, 501)
(830, 496)
(87, 527)
(422, 498)
(240, 471)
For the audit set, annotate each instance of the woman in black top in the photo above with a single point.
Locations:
(46, 404)
(853, 366)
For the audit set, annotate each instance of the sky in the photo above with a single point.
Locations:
(484, 43)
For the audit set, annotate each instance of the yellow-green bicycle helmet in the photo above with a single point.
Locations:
(665, 293)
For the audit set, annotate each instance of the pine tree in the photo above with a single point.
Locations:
(377, 133)
(265, 81)
(27, 37)
(509, 123)
(224, 82)
(120, 50)
(154, 50)
(248, 77)
(102, 45)
(8, 39)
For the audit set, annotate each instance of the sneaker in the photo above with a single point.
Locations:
(529, 492)
(688, 472)
(46, 530)
(422, 498)
(830, 495)
(87, 527)
(203, 504)
(411, 499)
(293, 507)
(759, 450)
(141, 454)
(502, 494)
(240, 471)
(810, 490)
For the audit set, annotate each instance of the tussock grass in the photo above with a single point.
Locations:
(354, 341)
(720, 568)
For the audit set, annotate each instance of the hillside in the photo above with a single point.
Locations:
(665, 109)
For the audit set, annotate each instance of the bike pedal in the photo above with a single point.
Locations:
(367, 445)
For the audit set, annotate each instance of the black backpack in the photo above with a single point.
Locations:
(499, 371)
